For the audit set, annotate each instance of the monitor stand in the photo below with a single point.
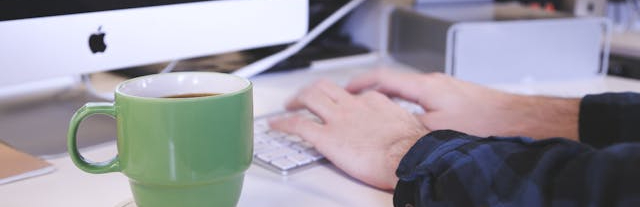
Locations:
(38, 124)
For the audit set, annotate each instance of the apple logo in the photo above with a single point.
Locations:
(96, 41)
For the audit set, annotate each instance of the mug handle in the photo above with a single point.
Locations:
(87, 110)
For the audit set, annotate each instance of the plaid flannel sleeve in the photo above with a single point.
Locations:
(609, 118)
(448, 168)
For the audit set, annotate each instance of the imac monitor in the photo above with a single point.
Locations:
(47, 44)
(44, 39)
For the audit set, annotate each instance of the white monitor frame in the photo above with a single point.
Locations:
(57, 46)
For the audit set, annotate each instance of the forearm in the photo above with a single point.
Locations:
(598, 120)
(447, 168)
(541, 117)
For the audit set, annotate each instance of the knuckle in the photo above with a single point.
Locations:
(317, 86)
(325, 85)
(438, 75)
(311, 89)
(303, 97)
(373, 95)
(295, 121)
(432, 75)
(379, 71)
(384, 72)
(321, 83)
(435, 76)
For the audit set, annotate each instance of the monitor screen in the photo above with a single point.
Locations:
(44, 39)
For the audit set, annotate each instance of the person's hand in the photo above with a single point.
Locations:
(458, 105)
(365, 135)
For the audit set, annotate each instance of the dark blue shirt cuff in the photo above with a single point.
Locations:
(413, 165)
(609, 118)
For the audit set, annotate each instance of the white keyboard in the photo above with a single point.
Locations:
(285, 153)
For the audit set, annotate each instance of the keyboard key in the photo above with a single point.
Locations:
(306, 144)
(300, 147)
(275, 142)
(300, 158)
(260, 126)
(275, 134)
(283, 163)
(275, 154)
(313, 154)
(261, 148)
(293, 138)
(284, 142)
(260, 138)
(409, 106)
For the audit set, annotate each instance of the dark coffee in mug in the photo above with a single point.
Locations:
(192, 95)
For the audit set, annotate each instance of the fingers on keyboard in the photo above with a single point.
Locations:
(286, 152)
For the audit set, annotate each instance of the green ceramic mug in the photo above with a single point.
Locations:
(184, 152)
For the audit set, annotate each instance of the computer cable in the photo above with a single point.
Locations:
(170, 66)
(262, 65)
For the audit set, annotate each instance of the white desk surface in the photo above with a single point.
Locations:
(319, 186)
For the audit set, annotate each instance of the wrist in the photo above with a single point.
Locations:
(396, 152)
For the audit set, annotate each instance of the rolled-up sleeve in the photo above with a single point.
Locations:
(448, 168)
(609, 118)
